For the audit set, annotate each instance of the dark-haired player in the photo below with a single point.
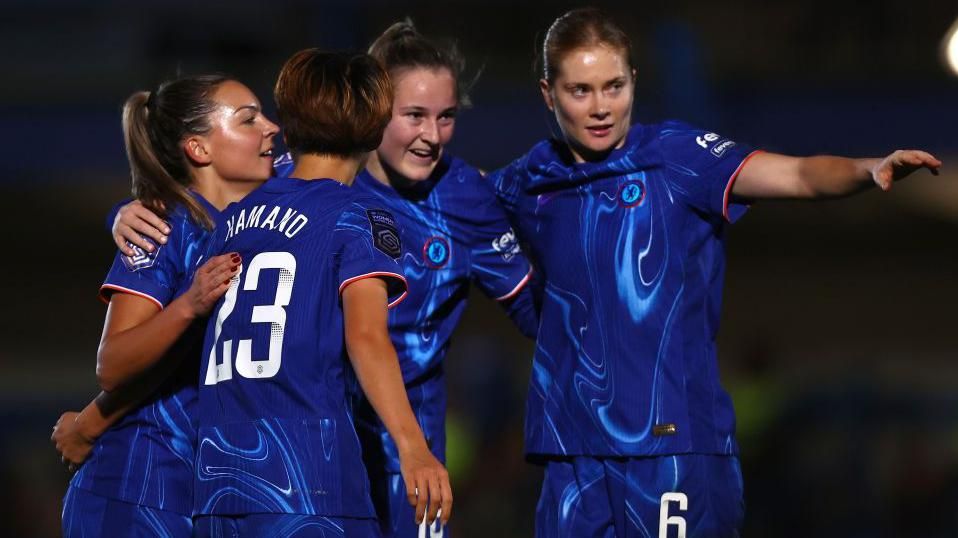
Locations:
(277, 452)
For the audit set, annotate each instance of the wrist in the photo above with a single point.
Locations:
(869, 167)
(182, 307)
(410, 444)
(89, 427)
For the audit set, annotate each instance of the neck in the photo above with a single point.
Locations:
(376, 169)
(315, 166)
(219, 192)
(382, 173)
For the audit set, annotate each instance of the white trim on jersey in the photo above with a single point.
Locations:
(731, 183)
(398, 300)
(121, 289)
(522, 283)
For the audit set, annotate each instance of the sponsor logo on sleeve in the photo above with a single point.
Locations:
(714, 143)
(141, 259)
(384, 231)
(436, 252)
(506, 245)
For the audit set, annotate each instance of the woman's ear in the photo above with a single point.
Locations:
(546, 93)
(197, 150)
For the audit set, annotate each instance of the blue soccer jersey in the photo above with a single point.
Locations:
(454, 233)
(276, 435)
(631, 251)
(147, 457)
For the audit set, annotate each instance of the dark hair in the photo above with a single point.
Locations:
(154, 125)
(401, 47)
(333, 103)
(579, 28)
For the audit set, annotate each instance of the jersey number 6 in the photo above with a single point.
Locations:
(274, 314)
(665, 520)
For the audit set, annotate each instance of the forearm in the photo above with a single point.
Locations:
(125, 355)
(74, 436)
(834, 177)
(377, 368)
(113, 405)
(770, 176)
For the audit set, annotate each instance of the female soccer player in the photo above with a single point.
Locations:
(454, 234)
(194, 145)
(627, 225)
(277, 450)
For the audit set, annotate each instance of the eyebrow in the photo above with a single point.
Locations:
(254, 108)
(572, 84)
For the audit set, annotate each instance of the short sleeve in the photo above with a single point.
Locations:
(505, 185)
(499, 267)
(152, 275)
(368, 245)
(703, 166)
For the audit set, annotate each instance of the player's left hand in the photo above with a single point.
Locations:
(902, 163)
(74, 447)
(427, 486)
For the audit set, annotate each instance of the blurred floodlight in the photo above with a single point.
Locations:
(950, 48)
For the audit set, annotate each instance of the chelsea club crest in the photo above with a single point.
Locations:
(631, 193)
(435, 252)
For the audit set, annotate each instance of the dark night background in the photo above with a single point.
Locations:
(839, 342)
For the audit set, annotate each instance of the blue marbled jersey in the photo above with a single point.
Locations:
(276, 434)
(146, 458)
(454, 233)
(631, 251)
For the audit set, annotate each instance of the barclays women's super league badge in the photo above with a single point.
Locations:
(141, 259)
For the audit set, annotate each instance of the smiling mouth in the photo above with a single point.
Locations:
(424, 154)
(267, 153)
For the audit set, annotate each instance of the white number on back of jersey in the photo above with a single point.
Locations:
(274, 314)
(434, 530)
(665, 520)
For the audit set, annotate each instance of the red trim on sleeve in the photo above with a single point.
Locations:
(731, 182)
(106, 299)
(396, 301)
(522, 283)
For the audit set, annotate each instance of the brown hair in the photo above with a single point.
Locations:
(401, 46)
(154, 125)
(333, 103)
(579, 28)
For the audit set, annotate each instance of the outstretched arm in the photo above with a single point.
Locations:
(770, 175)
(377, 368)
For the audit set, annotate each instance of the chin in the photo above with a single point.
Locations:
(418, 173)
(600, 149)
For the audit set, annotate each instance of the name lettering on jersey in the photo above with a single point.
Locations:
(141, 259)
(718, 149)
(384, 231)
(506, 245)
(289, 224)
